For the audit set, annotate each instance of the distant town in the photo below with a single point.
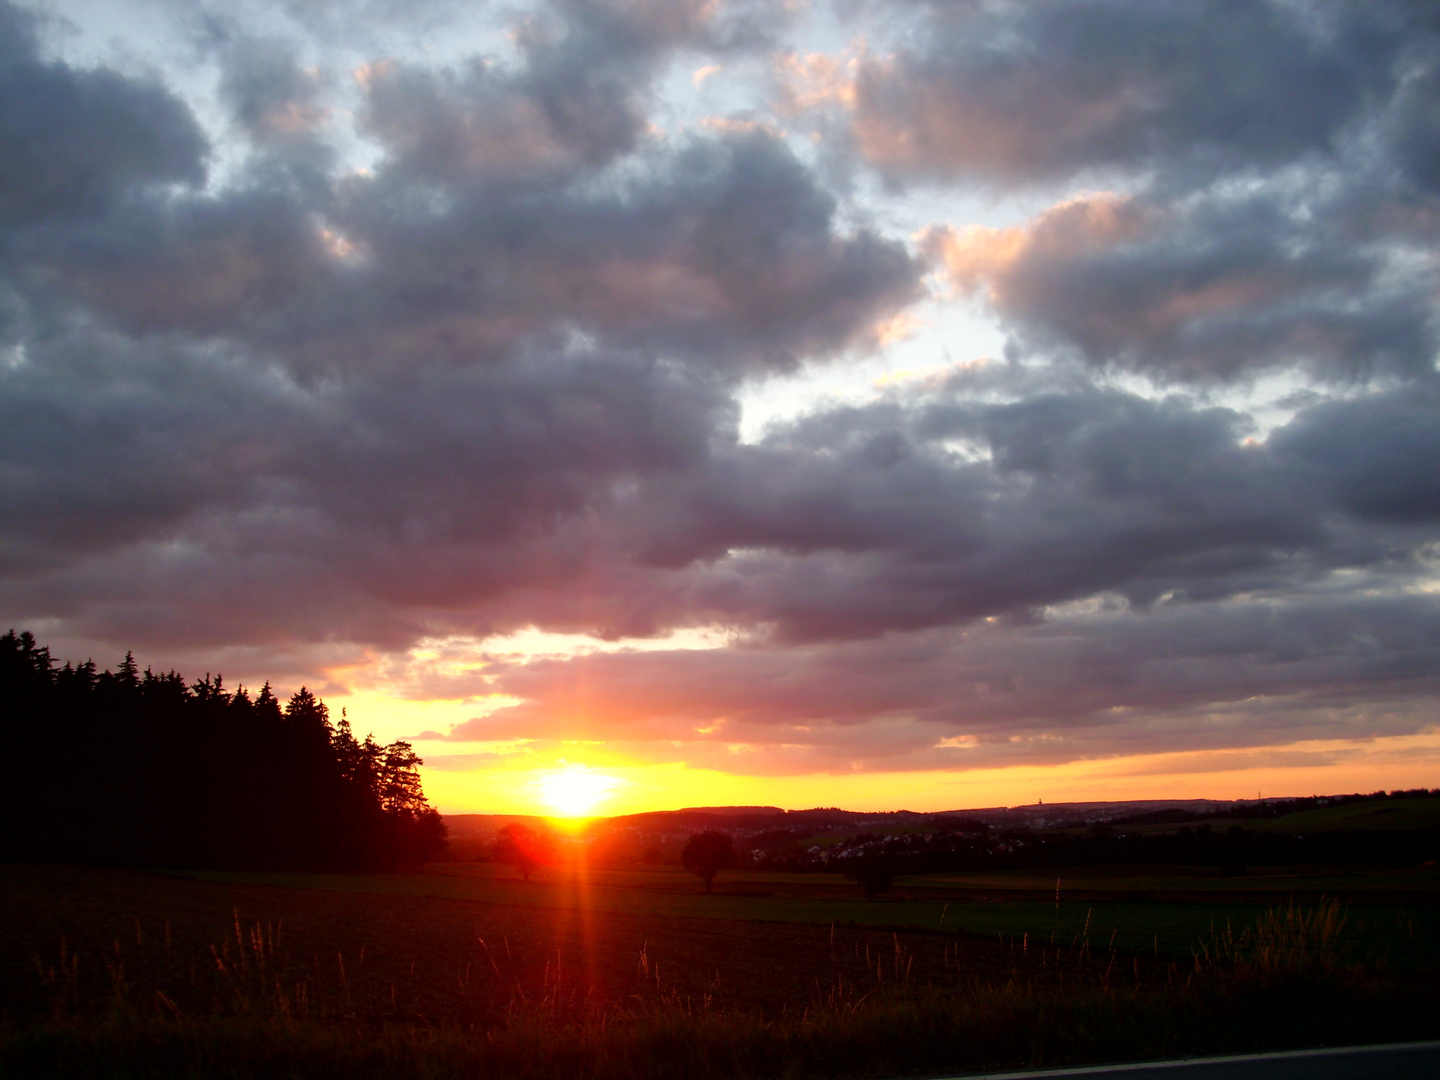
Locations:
(1397, 826)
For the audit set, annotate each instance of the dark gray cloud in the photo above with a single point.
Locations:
(728, 249)
(489, 221)
(578, 99)
(608, 494)
(76, 142)
(1373, 457)
(634, 28)
(133, 475)
(1272, 160)
(274, 99)
(889, 518)
(1213, 288)
(1185, 677)
(1416, 131)
(1025, 92)
(105, 444)
(727, 253)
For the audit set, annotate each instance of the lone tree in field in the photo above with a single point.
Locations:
(706, 854)
(874, 874)
(524, 847)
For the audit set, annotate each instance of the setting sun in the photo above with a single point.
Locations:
(575, 791)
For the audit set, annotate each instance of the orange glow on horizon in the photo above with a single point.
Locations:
(572, 780)
(573, 792)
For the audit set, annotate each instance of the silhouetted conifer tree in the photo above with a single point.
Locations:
(124, 768)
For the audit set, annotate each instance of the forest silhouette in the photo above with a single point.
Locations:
(142, 769)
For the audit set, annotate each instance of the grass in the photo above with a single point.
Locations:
(1137, 911)
(1285, 942)
(1385, 815)
(122, 974)
(967, 1029)
(1185, 884)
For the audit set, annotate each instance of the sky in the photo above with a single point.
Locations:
(927, 404)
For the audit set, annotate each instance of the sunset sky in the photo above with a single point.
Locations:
(882, 405)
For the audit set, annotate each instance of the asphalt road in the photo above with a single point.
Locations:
(1399, 1061)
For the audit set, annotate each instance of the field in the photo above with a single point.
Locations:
(401, 954)
(1392, 912)
(638, 973)
(1387, 815)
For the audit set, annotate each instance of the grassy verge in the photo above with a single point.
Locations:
(964, 1030)
(1283, 982)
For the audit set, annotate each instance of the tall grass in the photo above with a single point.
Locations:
(249, 1011)
(1285, 942)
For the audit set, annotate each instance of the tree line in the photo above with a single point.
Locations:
(1231, 849)
(139, 768)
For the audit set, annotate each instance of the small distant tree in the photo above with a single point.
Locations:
(524, 847)
(1232, 853)
(875, 874)
(706, 854)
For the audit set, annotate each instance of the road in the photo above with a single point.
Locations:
(1399, 1061)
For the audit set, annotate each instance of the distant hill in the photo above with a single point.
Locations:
(1388, 815)
(658, 825)
(770, 826)
(466, 826)
(1399, 829)
(733, 811)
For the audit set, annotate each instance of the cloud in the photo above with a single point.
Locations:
(274, 99)
(1024, 92)
(77, 142)
(1241, 190)
(724, 252)
(725, 248)
(1190, 677)
(1373, 456)
(578, 97)
(1218, 287)
(476, 123)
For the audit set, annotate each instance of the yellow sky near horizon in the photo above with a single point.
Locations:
(551, 778)
(626, 788)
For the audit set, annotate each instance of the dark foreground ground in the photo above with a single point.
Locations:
(125, 973)
(75, 937)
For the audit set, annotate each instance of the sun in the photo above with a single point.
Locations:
(575, 791)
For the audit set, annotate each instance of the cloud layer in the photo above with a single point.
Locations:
(362, 348)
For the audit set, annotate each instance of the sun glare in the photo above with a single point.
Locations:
(575, 791)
